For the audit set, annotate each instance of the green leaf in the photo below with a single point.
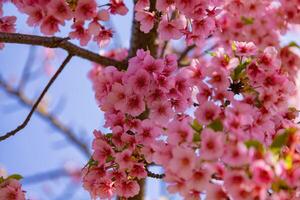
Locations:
(144, 115)
(293, 44)
(109, 158)
(196, 126)
(288, 161)
(279, 185)
(216, 125)
(1, 179)
(247, 20)
(281, 140)
(213, 54)
(239, 69)
(233, 46)
(197, 137)
(15, 176)
(255, 144)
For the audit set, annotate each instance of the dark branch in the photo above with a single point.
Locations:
(141, 40)
(185, 53)
(51, 81)
(154, 175)
(63, 43)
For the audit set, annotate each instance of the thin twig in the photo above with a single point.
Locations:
(163, 49)
(63, 43)
(48, 117)
(185, 53)
(154, 175)
(51, 81)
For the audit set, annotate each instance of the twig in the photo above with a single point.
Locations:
(51, 81)
(57, 42)
(163, 49)
(185, 53)
(154, 175)
(141, 40)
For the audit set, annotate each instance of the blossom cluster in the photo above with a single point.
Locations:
(10, 188)
(223, 129)
(86, 16)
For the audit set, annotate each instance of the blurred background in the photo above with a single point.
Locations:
(47, 159)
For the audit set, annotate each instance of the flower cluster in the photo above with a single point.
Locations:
(85, 14)
(10, 188)
(176, 18)
(223, 129)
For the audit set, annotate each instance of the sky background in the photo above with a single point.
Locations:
(39, 148)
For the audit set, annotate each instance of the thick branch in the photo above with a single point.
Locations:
(48, 117)
(141, 40)
(57, 42)
(51, 81)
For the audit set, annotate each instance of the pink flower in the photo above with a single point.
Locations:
(244, 48)
(104, 37)
(170, 29)
(212, 144)
(138, 170)
(124, 159)
(101, 151)
(207, 112)
(117, 96)
(179, 132)
(85, 9)
(204, 93)
(200, 178)
(140, 81)
(7, 24)
(236, 155)
(147, 133)
(162, 5)
(35, 15)
(50, 24)
(161, 112)
(215, 192)
(103, 15)
(146, 20)
(134, 105)
(141, 5)
(127, 188)
(10, 189)
(183, 162)
(80, 33)
(118, 7)
(60, 10)
(152, 65)
(262, 173)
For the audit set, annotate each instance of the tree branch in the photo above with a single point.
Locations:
(141, 40)
(58, 42)
(51, 81)
(185, 53)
